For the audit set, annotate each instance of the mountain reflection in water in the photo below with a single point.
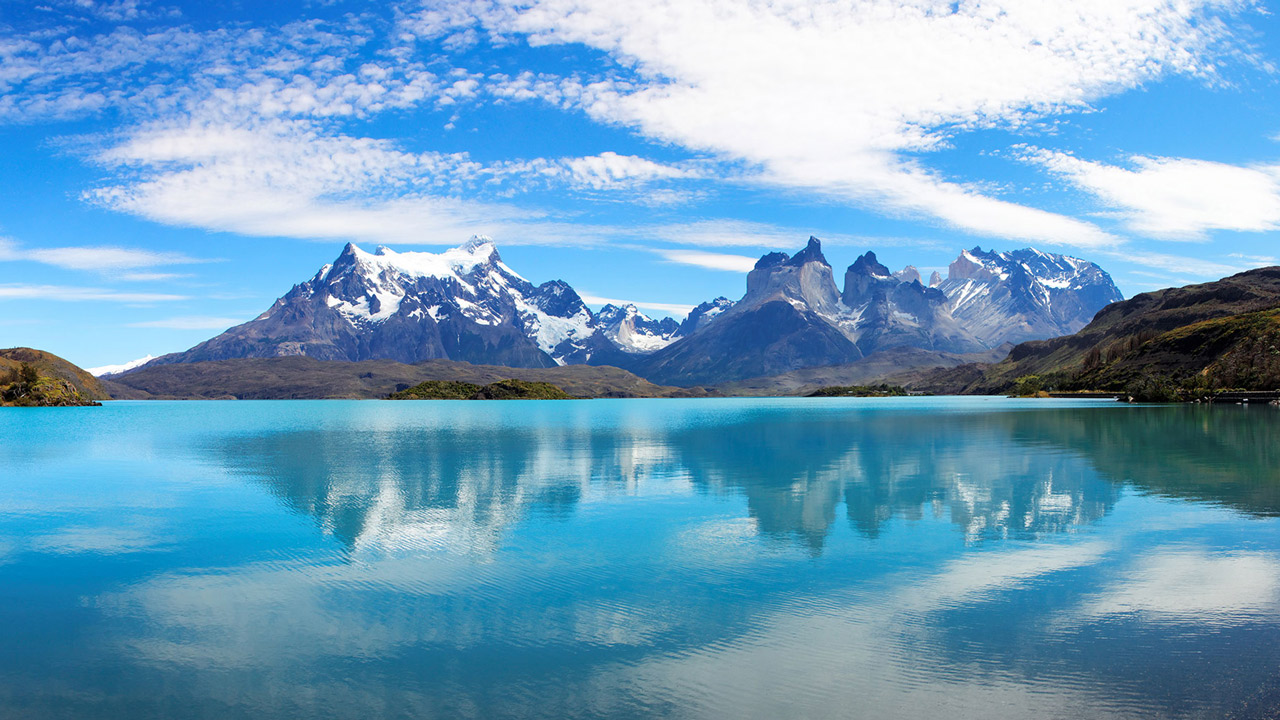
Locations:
(917, 557)
(994, 475)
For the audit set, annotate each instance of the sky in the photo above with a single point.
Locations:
(168, 169)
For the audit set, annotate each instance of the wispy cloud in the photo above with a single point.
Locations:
(1177, 198)
(709, 260)
(122, 263)
(845, 102)
(1187, 266)
(191, 322)
(840, 101)
(671, 308)
(105, 258)
(61, 293)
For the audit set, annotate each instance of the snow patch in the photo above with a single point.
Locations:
(117, 369)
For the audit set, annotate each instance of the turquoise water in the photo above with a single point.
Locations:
(914, 557)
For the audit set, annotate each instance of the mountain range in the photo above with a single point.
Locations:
(466, 304)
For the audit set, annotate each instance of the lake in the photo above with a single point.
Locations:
(743, 558)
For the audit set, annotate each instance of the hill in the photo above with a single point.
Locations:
(307, 378)
(55, 381)
(1217, 335)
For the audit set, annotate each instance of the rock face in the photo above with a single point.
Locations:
(895, 309)
(1025, 294)
(790, 317)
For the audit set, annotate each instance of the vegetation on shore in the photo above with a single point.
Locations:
(34, 378)
(860, 391)
(1236, 353)
(23, 386)
(509, 389)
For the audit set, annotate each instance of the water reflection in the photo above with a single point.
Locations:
(708, 559)
(992, 475)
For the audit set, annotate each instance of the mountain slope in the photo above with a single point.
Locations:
(1224, 331)
(1024, 294)
(309, 378)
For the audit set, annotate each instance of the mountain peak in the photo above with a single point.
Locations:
(908, 274)
(867, 264)
(773, 259)
(478, 243)
(812, 252)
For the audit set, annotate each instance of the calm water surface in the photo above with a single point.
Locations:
(916, 557)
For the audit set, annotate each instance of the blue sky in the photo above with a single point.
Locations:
(171, 168)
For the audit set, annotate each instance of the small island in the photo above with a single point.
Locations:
(860, 391)
(509, 389)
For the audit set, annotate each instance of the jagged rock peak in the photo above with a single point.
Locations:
(935, 279)
(812, 252)
(908, 274)
(772, 259)
(704, 313)
(969, 266)
(867, 264)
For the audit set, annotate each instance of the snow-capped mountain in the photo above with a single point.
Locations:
(1025, 294)
(462, 304)
(703, 314)
(633, 331)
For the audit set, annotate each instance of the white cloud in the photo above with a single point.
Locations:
(711, 261)
(609, 169)
(191, 323)
(1194, 267)
(840, 99)
(1193, 587)
(8, 249)
(833, 96)
(1177, 198)
(150, 276)
(290, 178)
(672, 308)
(729, 233)
(80, 294)
(105, 258)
